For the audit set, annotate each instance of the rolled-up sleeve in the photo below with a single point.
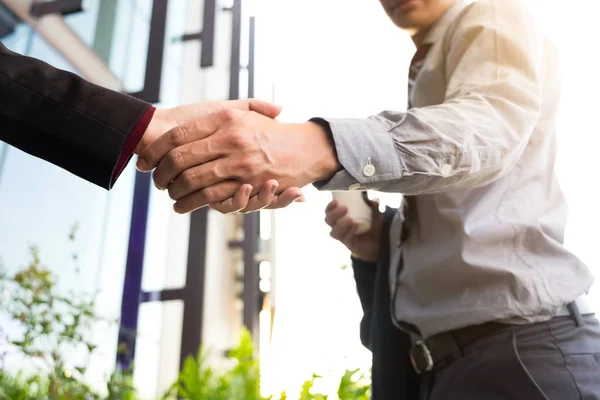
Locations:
(492, 105)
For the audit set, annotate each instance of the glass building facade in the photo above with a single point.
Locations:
(41, 203)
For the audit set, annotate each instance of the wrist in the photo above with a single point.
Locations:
(162, 121)
(322, 138)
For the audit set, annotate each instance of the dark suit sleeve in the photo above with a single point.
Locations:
(364, 275)
(59, 117)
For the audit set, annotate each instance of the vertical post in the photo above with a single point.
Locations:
(156, 48)
(251, 56)
(207, 54)
(193, 293)
(132, 285)
(251, 295)
(236, 38)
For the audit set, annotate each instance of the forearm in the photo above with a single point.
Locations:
(432, 149)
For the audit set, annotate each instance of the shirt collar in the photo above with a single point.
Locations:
(436, 32)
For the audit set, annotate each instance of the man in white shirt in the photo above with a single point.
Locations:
(494, 304)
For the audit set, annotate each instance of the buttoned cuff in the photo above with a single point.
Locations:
(366, 151)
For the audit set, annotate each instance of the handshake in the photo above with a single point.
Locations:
(233, 156)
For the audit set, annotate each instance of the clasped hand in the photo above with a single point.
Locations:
(236, 157)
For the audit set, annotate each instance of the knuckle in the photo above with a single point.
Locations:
(156, 177)
(176, 158)
(218, 173)
(238, 140)
(189, 178)
(227, 114)
(246, 165)
(209, 194)
(178, 135)
(250, 167)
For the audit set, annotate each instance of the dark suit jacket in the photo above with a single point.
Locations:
(393, 377)
(61, 118)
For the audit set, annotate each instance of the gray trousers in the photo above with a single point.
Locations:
(555, 360)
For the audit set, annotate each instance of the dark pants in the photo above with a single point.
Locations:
(556, 360)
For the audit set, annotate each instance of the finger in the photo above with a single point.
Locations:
(209, 195)
(262, 107)
(375, 213)
(236, 203)
(190, 179)
(350, 234)
(287, 197)
(178, 136)
(179, 160)
(264, 198)
(341, 228)
(184, 134)
(333, 216)
(332, 204)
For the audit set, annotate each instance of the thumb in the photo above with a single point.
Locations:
(262, 107)
(375, 208)
(374, 203)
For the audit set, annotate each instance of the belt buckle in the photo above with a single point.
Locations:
(420, 357)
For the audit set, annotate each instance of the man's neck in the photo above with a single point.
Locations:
(419, 36)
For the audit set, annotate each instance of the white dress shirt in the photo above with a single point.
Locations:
(478, 152)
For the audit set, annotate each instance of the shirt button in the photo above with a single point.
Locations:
(446, 169)
(354, 186)
(369, 170)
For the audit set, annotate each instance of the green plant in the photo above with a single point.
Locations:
(306, 392)
(120, 386)
(199, 381)
(19, 388)
(354, 386)
(53, 325)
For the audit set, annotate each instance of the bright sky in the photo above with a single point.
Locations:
(339, 58)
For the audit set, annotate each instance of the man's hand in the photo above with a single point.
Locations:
(165, 119)
(168, 118)
(364, 246)
(206, 161)
(266, 198)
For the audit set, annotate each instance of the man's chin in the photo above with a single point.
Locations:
(404, 19)
(406, 24)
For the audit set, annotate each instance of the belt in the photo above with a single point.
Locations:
(582, 303)
(440, 350)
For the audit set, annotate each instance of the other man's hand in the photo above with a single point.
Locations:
(266, 198)
(206, 161)
(365, 246)
(165, 119)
